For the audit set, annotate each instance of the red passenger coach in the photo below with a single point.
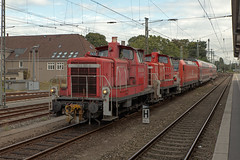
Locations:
(213, 71)
(207, 71)
(104, 84)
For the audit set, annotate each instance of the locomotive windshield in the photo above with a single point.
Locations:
(103, 53)
(162, 59)
(175, 64)
(148, 58)
(140, 56)
(126, 54)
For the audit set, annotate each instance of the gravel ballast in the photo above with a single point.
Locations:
(127, 136)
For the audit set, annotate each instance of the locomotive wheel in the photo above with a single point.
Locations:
(63, 111)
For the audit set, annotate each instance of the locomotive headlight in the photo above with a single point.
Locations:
(53, 90)
(105, 91)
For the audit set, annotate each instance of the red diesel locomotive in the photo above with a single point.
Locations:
(104, 84)
(116, 79)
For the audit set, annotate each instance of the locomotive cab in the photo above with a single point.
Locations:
(169, 81)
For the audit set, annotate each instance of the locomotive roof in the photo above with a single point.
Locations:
(120, 46)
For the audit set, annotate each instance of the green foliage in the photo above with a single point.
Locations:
(192, 48)
(137, 42)
(220, 65)
(96, 39)
(156, 44)
(171, 48)
(26, 74)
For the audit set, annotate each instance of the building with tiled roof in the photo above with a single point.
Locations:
(51, 54)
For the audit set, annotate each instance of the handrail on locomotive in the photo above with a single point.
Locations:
(63, 78)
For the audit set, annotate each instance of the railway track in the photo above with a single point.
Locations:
(49, 142)
(178, 140)
(23, 113)
(45, 144)
(25, 95)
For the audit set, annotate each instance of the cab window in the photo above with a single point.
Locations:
(162, 59)
(103, 53)
(140, 56)
(148, 59)
(175, 64)
(126, 54)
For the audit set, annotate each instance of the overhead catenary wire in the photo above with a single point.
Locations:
(210, 23)
(216, 19)
(214, 33)
(137, 22)
(57, 28)
(189, 18)
(95, 11)
(169, 18)
(56, 22)
(83, 28)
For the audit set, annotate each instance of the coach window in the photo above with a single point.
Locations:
(162, 59)
(126, 54)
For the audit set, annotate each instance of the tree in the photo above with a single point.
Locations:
(220, 65)
(192, 49)
(96, 39)
(156, 44)
(170, 47)
(137, 42)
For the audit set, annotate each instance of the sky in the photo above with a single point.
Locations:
(172, 19)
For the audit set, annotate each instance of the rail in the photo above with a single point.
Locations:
(180, 119)
(31, 145)
(19, 114)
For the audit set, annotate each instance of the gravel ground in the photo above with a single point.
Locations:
(206, 144)
(126, 137)
(29, 129)
(118, 142)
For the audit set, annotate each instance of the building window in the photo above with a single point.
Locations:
(20, 64)
(50, 66)
(59, 66)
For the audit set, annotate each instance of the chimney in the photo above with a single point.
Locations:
(123, 43)
(114, 39)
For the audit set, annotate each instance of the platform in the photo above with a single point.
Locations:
(228, 141)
